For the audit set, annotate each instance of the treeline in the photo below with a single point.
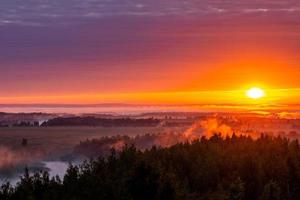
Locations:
(102, 146)
(20, 124)
(104, 122)
(236, 168)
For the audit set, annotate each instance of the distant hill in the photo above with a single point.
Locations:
(24, 119)
(104, 122)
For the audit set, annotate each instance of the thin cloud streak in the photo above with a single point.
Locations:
(45, 12)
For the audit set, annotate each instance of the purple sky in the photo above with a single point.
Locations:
(55, 47)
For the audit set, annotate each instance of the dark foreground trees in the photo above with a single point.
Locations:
(236, 168)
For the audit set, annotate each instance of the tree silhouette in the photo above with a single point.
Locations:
(237, 168)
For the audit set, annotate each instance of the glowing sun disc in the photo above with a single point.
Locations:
(255, 93)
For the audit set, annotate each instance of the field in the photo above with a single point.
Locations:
(61, 140)
(50, 147)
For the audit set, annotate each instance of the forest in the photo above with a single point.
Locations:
(231, 168)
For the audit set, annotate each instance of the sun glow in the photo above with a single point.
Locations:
(255, 93)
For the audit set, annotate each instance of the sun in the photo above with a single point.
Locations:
(255, 93)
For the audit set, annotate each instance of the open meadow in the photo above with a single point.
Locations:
(58, 141)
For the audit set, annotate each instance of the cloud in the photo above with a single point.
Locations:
(43, 11)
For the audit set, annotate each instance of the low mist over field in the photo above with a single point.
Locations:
(63, 138)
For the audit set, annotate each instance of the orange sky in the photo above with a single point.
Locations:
(209, 58)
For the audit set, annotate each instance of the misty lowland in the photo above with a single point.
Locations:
(161, 155)
(149, 99)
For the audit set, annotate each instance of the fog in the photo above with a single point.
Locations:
(39, 155)
(54, 168)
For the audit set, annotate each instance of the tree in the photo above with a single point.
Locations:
(271, 191)
(237, 190)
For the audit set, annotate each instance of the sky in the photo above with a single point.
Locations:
(149, 52)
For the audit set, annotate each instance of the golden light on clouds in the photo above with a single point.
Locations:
(272, 99)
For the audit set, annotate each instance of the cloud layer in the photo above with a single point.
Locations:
(41, 12)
